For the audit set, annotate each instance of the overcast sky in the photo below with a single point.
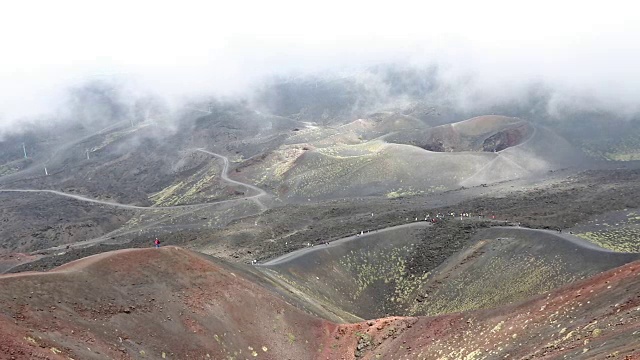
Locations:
(185, 48)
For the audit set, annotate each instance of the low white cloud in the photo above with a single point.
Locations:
(181, 49)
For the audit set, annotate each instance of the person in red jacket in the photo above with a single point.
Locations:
(157, 243)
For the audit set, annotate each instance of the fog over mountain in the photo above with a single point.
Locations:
(543, 57)
(350, 180)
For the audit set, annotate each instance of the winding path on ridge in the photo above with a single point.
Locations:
(191, 208)
(575, 240)
(96, 201)
(301, 252)
(224, 175)
(256, 199)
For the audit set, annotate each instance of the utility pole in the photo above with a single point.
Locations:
(87, 151)
(24, 148)
(46, 172)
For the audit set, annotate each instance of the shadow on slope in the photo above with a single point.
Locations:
(398, 273)
(483, 133)
(507, 265)
(355, 275)
(598, 318)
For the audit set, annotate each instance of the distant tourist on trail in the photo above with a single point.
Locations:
(157, 243)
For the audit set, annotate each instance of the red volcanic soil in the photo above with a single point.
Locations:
(505, 139)
(176, 304)
(593, 319)
(168, 303)
(482, 133)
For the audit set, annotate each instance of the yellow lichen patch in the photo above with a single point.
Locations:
(403, 193)
(498, 327)
(167, 193)
(272, 170)
(354, 150)
(6, 170)
(626, 148)
(476, 354)
(186, 191)
(501, 281)
(623, 156)
(624, 239)
(373, 267)
(115, 135)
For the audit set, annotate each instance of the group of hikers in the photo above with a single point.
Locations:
(440, 216)
(435, 219)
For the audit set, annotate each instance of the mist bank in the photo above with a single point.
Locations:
(433, 93)
(435, 89)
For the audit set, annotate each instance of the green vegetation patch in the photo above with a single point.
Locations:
(503, 279)
(193, 189)
(626, 239)
(617, 231)
(387, 269)
(625, 148)
(14, 166)
(6, 170)
(114, 136)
